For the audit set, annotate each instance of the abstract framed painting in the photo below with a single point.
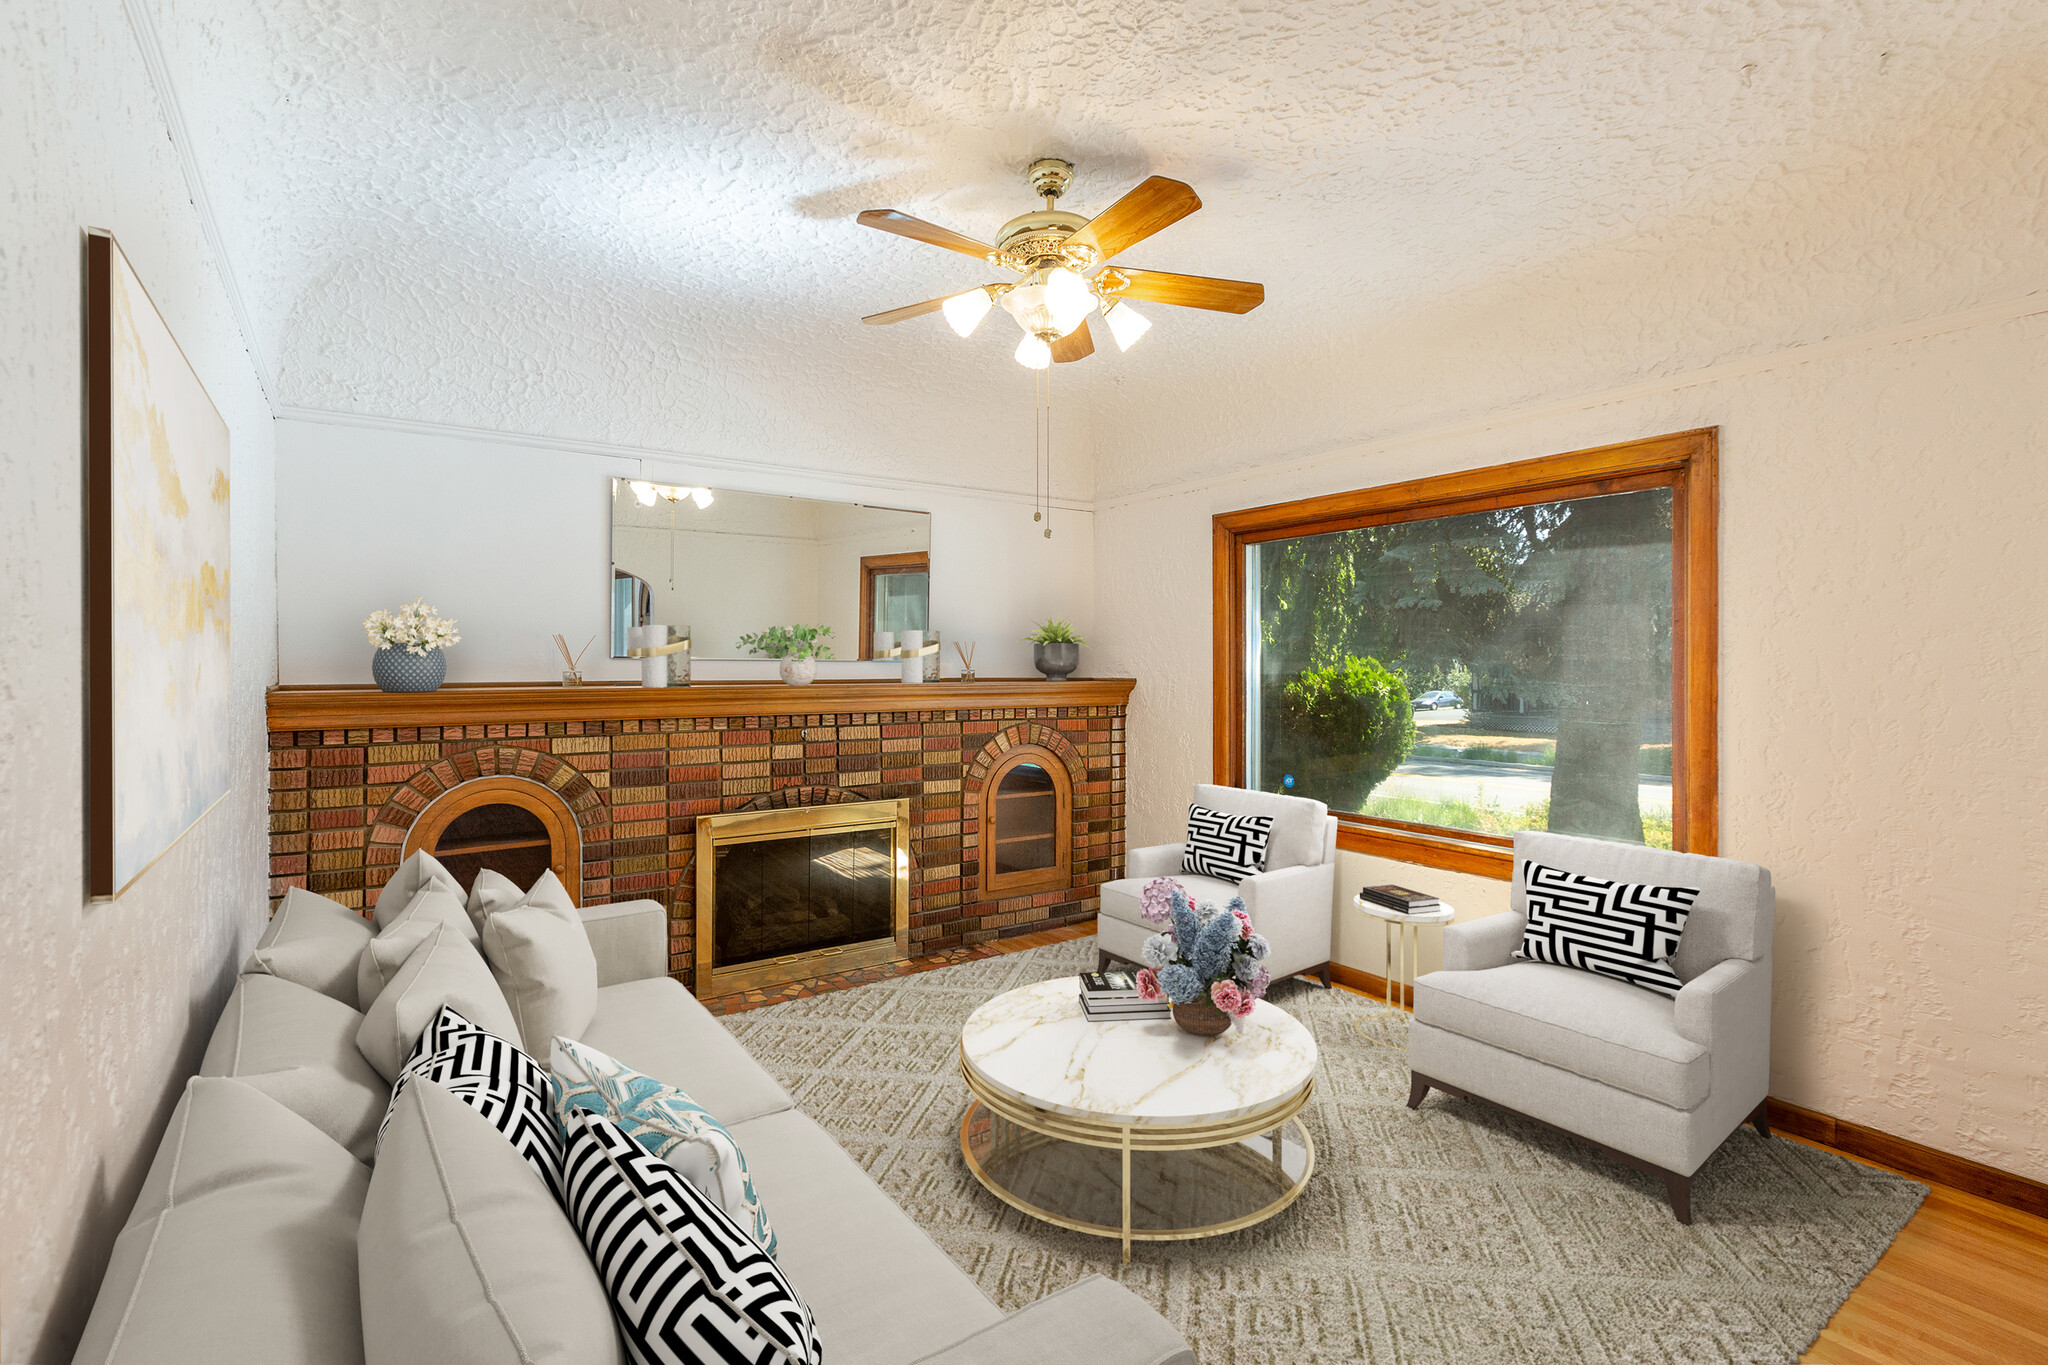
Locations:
(158, 756)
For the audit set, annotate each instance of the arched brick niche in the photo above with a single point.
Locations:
(420, 809)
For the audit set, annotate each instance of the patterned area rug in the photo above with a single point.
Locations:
(1455, 1234)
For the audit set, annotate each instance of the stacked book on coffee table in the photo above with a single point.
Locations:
(1400, 898)
(1107, 997)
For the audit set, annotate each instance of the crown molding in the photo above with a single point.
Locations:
(747, 476)
(150, 44)
(2010, 310)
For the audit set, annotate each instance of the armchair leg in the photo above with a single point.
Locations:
(1102, 959)
(1323, 974)
(1418, 1089)
(1760, 1118)
(1679, 1187)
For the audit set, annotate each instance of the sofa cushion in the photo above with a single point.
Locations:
(657, 1027)
(242, 1245)
(667, 1122)
(880, 1289)
(443, 970)
(1301, 828)
(688, 1285)
(387, 951)
(1597, 1027)
(464, 1255)
(543, 962)
(313, 941)
(492, 1076)
(299, 1047)
(413, 876)
(493, 890)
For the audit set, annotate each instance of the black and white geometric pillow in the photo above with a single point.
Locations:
(1231, 847)
(1620, 929)
(493, 1077)
(687, 1284)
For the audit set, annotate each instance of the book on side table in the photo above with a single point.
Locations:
(1400, 898)
(1112, 995)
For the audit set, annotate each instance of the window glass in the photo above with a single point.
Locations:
(900, 600)
(1487, 672)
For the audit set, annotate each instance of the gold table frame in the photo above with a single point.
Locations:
(1133, 1136)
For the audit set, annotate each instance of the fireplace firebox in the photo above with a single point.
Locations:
(783, 895)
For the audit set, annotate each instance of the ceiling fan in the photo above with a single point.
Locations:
(1060, 259)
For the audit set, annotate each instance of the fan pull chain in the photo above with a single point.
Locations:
(1041, 453)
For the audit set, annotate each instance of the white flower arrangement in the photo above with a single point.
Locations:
(414, 628)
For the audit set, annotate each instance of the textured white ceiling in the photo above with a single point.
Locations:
(634, 221)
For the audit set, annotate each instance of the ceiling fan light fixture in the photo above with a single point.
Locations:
(1126, 324)
(1033, 353)
(1070, 298)
(964, 312)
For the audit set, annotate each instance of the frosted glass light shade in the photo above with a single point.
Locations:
(1069, 297)
(1033, 354)
(1126, 324)
(644, 491)
(702, 497)
(964, 312)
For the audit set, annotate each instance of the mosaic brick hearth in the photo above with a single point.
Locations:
(343, 799)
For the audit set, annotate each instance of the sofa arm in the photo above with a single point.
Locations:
(1482, 943)
(630, 940)
(1160, 860)
(1092, 1322)
(1727, 1007)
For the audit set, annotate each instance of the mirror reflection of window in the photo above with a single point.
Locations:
(895, 595)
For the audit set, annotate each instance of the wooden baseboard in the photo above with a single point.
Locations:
(1911, 1158)
(1366, 983)
(1850, 1139)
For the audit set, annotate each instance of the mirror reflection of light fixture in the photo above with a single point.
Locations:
(964, 312)
(1126, 324)
(701, 496)
(644, 491)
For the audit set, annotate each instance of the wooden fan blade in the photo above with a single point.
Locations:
(915, 310)
(1075, 345)
(1156, 204)
(1192, 291)
(918, 230)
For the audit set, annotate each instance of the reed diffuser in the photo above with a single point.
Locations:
(966, 660)
(572, 675)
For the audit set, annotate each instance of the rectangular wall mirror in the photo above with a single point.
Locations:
(728, 564)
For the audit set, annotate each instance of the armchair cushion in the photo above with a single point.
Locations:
(1624, 930)
(1596, 1027)
(1231, 847)
(1301, 835)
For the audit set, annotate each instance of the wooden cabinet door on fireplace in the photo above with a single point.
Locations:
(1027, 824)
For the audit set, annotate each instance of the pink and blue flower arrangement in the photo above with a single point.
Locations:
(1208, 954)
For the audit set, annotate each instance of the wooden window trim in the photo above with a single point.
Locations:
(910, 561)
(995, 884)
(1685, 462)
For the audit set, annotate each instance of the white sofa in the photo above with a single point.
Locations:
(1659, 1082)
(1291, 899)
(242, 1246)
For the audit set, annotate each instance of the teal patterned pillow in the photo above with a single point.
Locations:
(666, 1122)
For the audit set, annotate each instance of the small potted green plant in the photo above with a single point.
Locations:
(798, 647)
(1055, 649)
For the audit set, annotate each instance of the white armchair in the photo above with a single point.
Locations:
(1291, 900)
(1657, 1082)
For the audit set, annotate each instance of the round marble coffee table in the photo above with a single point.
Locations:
(1062, 1106)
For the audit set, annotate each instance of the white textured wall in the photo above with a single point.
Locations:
(1884, 656)
(513, 542)
(107, 1007)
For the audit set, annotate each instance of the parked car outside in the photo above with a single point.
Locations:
(1430, 701)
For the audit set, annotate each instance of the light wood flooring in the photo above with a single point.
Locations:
(1966, 1283)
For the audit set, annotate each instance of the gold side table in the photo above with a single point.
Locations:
(1403, 939)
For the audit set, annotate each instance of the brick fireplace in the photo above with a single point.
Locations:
(353, 770)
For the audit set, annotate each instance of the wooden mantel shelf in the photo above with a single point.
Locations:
(350, 706)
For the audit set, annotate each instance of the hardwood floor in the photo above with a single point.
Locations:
(1966, 1283)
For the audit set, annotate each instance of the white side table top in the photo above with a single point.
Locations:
(1035, 1045)
(1441, 914)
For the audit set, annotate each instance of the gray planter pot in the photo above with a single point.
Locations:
(397, 671)
(1056, 661)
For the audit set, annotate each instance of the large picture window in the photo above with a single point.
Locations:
(1447, 661)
